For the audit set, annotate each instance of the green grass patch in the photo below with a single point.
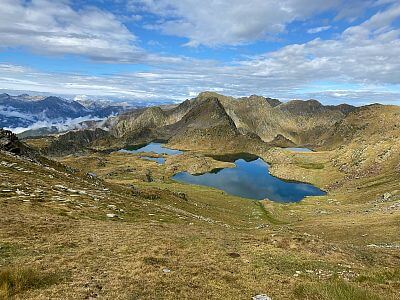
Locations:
(266, 215)
(7, 250)
(14, 280)
(310, 165)
(333, 290)
(381, 277)
(287, 264)
(379, 181)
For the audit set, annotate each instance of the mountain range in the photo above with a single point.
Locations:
(24, 110)
(219, 117)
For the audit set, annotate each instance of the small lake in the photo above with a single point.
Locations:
(251, 179)
(294, 149)
(157, 148)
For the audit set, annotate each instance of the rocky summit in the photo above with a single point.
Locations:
(9, 141)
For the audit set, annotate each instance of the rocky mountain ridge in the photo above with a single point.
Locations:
(214, 121)
(298, 122)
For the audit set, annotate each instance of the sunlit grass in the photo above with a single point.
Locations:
(14, 280)
(333, 290)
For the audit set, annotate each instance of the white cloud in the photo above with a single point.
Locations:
(53, 27)
(215, 22)
(81, 98)
(60, 125)
(10, 112)
(368, 52)
(12, 68)
(318, 29)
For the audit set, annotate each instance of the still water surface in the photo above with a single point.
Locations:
(251, 179)
(295, 149)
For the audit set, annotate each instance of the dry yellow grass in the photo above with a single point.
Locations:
(207, 246)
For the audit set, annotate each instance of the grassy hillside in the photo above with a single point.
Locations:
(112, 225)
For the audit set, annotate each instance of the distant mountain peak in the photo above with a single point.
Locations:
(24, 111)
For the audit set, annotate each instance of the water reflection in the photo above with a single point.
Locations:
(251, 179)
(295, 149)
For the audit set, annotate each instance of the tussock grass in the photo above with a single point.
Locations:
(14, 280)
(381, 276)
(333, 290)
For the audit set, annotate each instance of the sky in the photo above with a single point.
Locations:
(335, 51)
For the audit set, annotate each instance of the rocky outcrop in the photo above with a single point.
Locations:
(9, 142)
(77, 141)
(281, 141)
(366, 123)
(207, 124)
(149, 118)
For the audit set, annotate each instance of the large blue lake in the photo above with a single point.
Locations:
(251, 179)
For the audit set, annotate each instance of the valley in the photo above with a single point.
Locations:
(199, 150)
(82, 219)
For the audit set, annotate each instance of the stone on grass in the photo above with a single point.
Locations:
(386, 196)
(261, 297)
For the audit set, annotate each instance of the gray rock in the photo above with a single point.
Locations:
(386, 196)
(261, 297)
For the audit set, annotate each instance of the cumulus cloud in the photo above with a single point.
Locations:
(54, 27)
(357, 97)
(214, 22)
(365, 53)
(318, 29)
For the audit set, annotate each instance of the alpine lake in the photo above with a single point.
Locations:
(250, 178)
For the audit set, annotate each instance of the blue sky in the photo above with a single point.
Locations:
(335, 50)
